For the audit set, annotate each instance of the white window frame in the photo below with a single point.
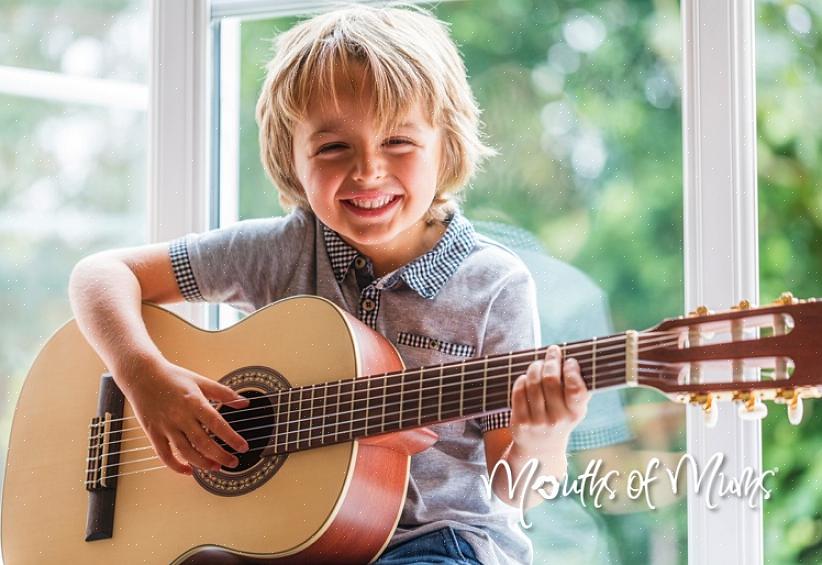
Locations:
(179, 121)
(721, 245)
(719, 195)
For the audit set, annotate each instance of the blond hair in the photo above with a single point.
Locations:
(409, 56)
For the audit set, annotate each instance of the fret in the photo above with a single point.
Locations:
(312, 392)
(400, 408)
(390, 401)
(384, 400)
(439, 402)
(288, 418)
(313, 407)
(376, 404)
(321, 394)
(367, 404)
(408, 418)
(493, 394)
(473, 385)
(337, 397)
(429, 395)
(277, 409)
(373, 399)
(594, 363)
(340, 408)
(510, 373)
(484, 383)
(359, 411)
(348, 407)
(462, 385)
(419, 402)
(326, 388)
(451, 398)
(299, 422)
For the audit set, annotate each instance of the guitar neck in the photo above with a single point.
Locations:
(338, 411)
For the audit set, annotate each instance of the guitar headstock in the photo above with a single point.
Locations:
(710, 356)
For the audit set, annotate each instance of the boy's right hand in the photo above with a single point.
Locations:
(172, 405)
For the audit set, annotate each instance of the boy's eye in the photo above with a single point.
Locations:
(334, 146)
(329, 147)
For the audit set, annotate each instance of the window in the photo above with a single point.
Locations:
(73, 101)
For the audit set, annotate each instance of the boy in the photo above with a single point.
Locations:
(369, 130)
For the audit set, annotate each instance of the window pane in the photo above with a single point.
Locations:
(91, 38)
(789, 91)
(582, 100)
(72, 182)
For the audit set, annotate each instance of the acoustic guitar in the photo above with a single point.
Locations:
(333, 420)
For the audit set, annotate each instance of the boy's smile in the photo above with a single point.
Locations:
(373, 189)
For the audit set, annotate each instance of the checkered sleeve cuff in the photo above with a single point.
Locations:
(494, 421)
(599, 437)
(178, 250)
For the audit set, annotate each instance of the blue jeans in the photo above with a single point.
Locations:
(444, 546)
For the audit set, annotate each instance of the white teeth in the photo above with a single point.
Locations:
(372, 203)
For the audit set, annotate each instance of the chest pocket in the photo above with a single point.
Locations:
(445, 347)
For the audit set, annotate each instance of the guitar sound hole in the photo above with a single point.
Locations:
(255, 423)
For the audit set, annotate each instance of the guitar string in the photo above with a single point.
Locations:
(355, 421)
(352, 396)
(528, 354)
(609, 378)
(296, 442)
(496, 379)
(299, 432)
(385, 387)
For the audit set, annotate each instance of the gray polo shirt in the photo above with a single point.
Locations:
(469, 296)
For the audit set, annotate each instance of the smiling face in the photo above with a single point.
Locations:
(372, 188)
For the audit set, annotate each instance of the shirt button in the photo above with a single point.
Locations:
(359, 262)
(368, 305)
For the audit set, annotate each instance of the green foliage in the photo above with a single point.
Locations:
(789, 92)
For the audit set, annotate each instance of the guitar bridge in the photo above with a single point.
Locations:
(100, 458)
(103, 460)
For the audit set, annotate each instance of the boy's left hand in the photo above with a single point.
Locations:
(547, 403)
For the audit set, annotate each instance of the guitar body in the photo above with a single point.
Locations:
(333, 504)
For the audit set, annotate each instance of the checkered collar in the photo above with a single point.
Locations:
(427, 273)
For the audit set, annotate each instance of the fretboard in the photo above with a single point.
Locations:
(338, 411)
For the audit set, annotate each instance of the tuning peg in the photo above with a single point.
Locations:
(786, 298)
(743, 305)
(700, 311)
(752, 407)
(711, 415)
(708, 404)
(792, 398)
(795, 411)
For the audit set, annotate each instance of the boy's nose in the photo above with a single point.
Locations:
(368, 167)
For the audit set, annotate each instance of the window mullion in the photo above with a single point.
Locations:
(179, 92)
(721, 248)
